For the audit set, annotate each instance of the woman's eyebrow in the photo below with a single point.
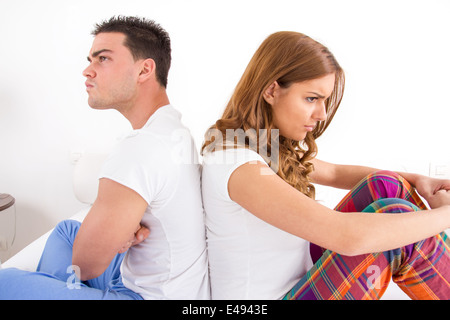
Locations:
(319, 95)
(97, 53)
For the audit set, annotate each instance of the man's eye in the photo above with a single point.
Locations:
(102, 58)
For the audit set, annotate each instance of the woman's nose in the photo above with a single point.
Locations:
(321, 112)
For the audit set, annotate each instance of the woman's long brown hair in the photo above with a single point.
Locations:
(285, 57)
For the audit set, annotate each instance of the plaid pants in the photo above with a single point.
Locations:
(421, 270)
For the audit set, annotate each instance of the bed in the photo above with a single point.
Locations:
(85, 184)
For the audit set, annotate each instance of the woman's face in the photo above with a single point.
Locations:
(297, 109)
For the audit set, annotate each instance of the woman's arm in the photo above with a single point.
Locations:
(347, 176)
(273, 200)
(338, 176)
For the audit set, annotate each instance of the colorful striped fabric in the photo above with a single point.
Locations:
(422, 269)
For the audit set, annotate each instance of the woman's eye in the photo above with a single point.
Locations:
(311, 99)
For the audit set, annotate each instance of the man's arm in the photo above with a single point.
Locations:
(109, 225)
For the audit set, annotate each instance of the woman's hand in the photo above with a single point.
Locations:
(440, 198)
(435, 191)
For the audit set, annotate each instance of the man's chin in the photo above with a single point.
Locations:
(98, 105)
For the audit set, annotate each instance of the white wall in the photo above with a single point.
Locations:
(395, 113)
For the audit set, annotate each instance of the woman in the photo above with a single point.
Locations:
(258, 174)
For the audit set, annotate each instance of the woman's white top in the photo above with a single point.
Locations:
(248, 258)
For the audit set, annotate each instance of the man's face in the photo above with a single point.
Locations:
(112, 73)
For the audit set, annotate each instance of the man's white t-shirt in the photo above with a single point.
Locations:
(248, 258)
(159, 162)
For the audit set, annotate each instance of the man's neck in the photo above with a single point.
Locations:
(144, 108)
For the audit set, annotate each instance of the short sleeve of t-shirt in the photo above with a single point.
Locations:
(140, 169)
(221, 164)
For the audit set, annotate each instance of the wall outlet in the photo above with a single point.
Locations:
(440, 170)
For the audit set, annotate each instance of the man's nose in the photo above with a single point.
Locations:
(89, 72)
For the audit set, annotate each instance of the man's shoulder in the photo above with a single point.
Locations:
(153, 148)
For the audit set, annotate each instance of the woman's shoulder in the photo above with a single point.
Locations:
(230, 156)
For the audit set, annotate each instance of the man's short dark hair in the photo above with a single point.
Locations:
(145, 39)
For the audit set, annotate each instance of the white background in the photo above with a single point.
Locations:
(395, 112)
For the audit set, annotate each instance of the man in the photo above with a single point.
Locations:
(151, 181)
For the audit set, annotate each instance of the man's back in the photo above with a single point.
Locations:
(160, 163)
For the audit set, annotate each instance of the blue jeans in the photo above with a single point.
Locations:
(55, 277)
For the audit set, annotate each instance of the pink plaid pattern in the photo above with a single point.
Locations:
(422, 269)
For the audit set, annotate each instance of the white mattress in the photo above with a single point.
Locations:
(28, 257)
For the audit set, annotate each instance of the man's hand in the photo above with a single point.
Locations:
(140, 235)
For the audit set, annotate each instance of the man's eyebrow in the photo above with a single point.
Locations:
(97, 53)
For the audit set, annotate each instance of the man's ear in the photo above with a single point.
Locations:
(148, 70)
(269, 93)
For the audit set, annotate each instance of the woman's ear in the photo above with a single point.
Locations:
(148, 69)
(269, 93)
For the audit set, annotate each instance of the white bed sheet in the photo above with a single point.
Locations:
(28, 257)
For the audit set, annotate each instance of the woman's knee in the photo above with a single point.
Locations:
(391, 205)
(386, 174)
(388, 184)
